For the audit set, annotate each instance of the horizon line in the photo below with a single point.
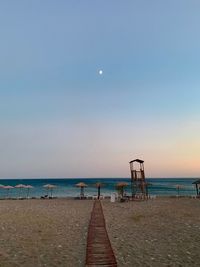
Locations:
(35, 178)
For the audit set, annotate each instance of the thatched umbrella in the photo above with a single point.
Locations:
(8, 187)
(197, 185)
(82, 186)
(120, 186)
(28, 189)
(98, 186)
(50, 187)
(20, 186)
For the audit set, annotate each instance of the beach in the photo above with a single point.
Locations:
(53, 232)
(161, 232)
(43, 232)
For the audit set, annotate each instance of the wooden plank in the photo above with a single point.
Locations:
(99, 250)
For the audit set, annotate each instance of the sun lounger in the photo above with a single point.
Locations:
(152, 196)
(44, 197)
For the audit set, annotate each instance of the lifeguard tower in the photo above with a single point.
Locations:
(138, 183)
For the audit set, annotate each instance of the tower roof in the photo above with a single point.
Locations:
(137, 160)
(197, 182)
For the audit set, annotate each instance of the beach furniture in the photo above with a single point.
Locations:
(44, 197)
(112, 197)
(98, 197)
(50, 188)
(152, 196)
(81, 185)
(121, 189)
(88, 197)
(197, 185)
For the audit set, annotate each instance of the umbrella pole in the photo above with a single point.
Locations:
(82, 192)
(27, 193)
(99, 192)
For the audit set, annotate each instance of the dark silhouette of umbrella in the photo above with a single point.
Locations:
(98, 186)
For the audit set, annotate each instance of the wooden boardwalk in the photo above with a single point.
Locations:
(99, 251)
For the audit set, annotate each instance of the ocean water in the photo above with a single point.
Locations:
(65, 187)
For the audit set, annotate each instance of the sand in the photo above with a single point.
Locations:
(161, 232)
(43, 232)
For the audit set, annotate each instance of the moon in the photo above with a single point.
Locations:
(100, 72)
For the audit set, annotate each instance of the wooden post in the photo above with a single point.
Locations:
(197, 189)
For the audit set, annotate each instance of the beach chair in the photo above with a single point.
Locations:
(44, 197)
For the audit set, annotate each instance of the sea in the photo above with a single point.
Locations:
(66, 187)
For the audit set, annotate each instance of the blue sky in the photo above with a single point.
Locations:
(60, 118)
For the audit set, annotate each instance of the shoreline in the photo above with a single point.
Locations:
(107, 197)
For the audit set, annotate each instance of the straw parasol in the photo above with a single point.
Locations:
(197, 185)
(50, 187)
(20, 186)
(120, 186)
(82, 186)
(28, 189)
(8, 187)
(98, 186)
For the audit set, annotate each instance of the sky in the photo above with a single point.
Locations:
(60, 118)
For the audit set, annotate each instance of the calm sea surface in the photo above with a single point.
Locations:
(66, 187)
